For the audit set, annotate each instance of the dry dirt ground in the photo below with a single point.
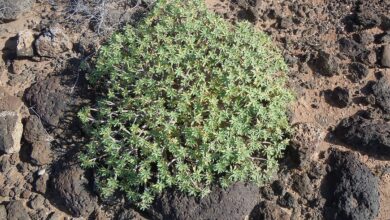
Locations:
(336, 167)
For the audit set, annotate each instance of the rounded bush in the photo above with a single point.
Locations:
(188, 100)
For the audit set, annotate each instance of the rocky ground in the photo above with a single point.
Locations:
(338, 163)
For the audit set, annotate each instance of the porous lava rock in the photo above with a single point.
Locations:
(367, 18)
(235, 202)
(351, 48)
(268, 210)
(351, 189)
(129, 214)
(302, 185)
(340, 97)
(50, 99)
(365, 134)
(326, 64)
(287, 201)
(70, 187)
(357, 71)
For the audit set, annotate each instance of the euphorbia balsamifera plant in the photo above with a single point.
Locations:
(187, 100)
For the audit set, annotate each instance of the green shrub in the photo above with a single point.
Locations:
(188, 101)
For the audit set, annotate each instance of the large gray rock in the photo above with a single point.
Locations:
(53, 42)
(11, 9)
(70, 186)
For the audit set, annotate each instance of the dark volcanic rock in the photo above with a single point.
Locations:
(340, 97)
(277, 187)
(267, 210)
(367, 57)
(70, 188)
(317, 170)
(381, 92)
(302, 185)
(16, 211)
(129, 214)
(49, 99)
(351, 189)
(364, 134)
(365, 38)
(367, 18)
(287, 200)
(326, 64)
(285, 22)
(267, 192)
(357, 71)
(351, 48)
(235, 202)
